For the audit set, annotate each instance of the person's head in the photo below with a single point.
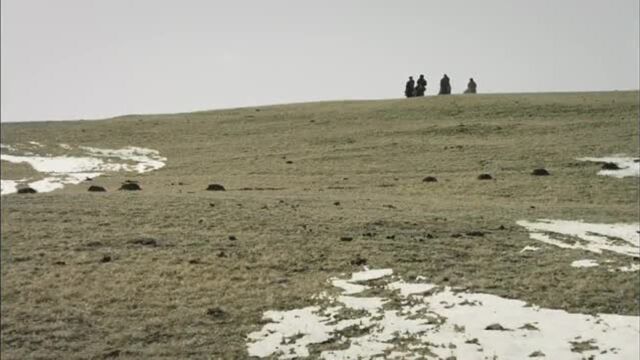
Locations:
(410, 77)
(421, 76)
(470, 79)
(445, 75)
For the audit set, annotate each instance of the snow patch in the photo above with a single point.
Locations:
(404, 323)
(584, 263)
(63, 170)
(529, 248)
(628, 165)
(619, 238)
(9, 186)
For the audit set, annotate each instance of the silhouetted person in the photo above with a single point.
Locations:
(471, 87)
(445, 86)
(409, 87)
(422, 86)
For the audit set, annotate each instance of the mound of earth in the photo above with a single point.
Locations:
(430, 179)
(485, 177)
(130, 186)
(610, 166)
(96, 188)
(215, 187)
(26, 190)
(540, 172)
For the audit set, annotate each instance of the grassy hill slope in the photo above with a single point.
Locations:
(298, 178)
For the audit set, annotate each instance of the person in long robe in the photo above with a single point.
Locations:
(409, 89)
(472, 87)
(445, 85)
(422, 86)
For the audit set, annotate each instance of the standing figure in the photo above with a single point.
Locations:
(422, 86)
(445, 86)
(409, 87)
(471, 87)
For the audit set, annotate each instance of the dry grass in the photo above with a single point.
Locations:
(197, 294)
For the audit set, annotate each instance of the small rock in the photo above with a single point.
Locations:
(289, 162)
(391, 237)
(59, 263)
(475, 233)
(215, 187)
(111, 354)
(195, 261)
(130, 186)
(358, 261)
(232, 238)
(337, 203)
(146, 241)
(216, 313)
(529, 326)
(88, 179)
(97, 188)
(222, 254)
(212, 205)
(485, 177)
(105, 259)
(540, 172)
(430, 179)
(26, 190)
(496, 327)
(502, 227)
(610, 166)
(537, 353)
(346, 238)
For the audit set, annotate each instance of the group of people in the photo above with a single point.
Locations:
(418, 88)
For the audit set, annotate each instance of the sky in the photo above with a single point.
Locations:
(88, 59)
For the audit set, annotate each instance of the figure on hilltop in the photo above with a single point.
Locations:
(445, 86)
(422, 86)
(471, 87)
(409, 89)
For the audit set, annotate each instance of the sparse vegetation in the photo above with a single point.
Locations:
(60, 299)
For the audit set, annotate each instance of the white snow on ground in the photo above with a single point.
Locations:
(630, 268)
(584, 263)
(405, 323)
(529, 248)
(9, 186)
(62, 170)
(620, 238)
(8, 147)
(628, 166)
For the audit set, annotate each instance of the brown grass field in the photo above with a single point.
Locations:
(298, 178)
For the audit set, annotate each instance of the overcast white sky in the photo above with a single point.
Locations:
(83, 59)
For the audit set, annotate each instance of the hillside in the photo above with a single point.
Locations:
(312, 191)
